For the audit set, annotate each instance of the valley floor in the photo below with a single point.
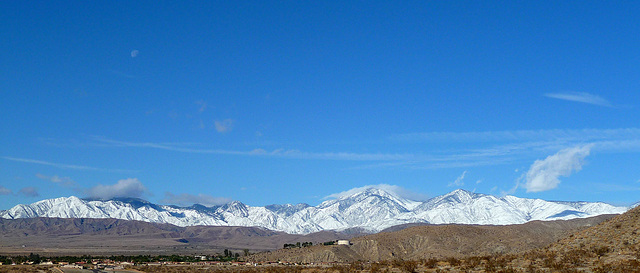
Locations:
(534, 261)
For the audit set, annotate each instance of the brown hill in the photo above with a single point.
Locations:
(56, 236)
(439, 241)
(619, 235)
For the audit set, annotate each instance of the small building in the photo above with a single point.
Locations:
(343, 242)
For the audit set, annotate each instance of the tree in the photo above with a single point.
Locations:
(35, 258)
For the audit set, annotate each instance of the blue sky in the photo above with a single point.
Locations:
(295, 101)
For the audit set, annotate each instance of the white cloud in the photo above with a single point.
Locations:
(130, 187)
(62, 181)
(4, 191)
(580, 97)
(134, 53)
(459, 181)
(393, 189)
(543, 174)
(186, 199)
(223, 126)
(29, 192)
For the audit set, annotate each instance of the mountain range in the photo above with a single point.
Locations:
(370, 210)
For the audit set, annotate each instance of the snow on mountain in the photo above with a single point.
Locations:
(371, 209)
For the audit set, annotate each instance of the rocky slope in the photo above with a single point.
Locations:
(439, 241)
(620, 235)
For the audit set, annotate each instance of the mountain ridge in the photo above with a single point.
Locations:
(371, 209)
(108, 236)
(414, 242)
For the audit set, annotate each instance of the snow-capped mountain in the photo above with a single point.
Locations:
(371, 209)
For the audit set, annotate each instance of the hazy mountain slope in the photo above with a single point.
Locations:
(371, 209)
(104, 236)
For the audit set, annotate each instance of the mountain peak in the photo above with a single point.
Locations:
(371, 191)
(461, 194)
(459, 191)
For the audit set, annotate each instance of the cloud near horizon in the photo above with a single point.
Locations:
(62, 181)
(5, 191)
(29, 192)
(394, 189)
(130, 187)
(185, 199)
(543, 174)
(580, 97)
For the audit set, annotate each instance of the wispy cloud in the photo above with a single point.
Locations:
(544, 175)
(224, 126)
(607, 187)
(459, 181)
(521, 135)
(286, 153)
(580, 97)
(5, 191)
(62, 181)
(57, 165)
(493, 148)
(202, 105)
(130, 187)
(61, 165)
(134, 53)
(29, 192)
(500, 147)
(185, 199)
